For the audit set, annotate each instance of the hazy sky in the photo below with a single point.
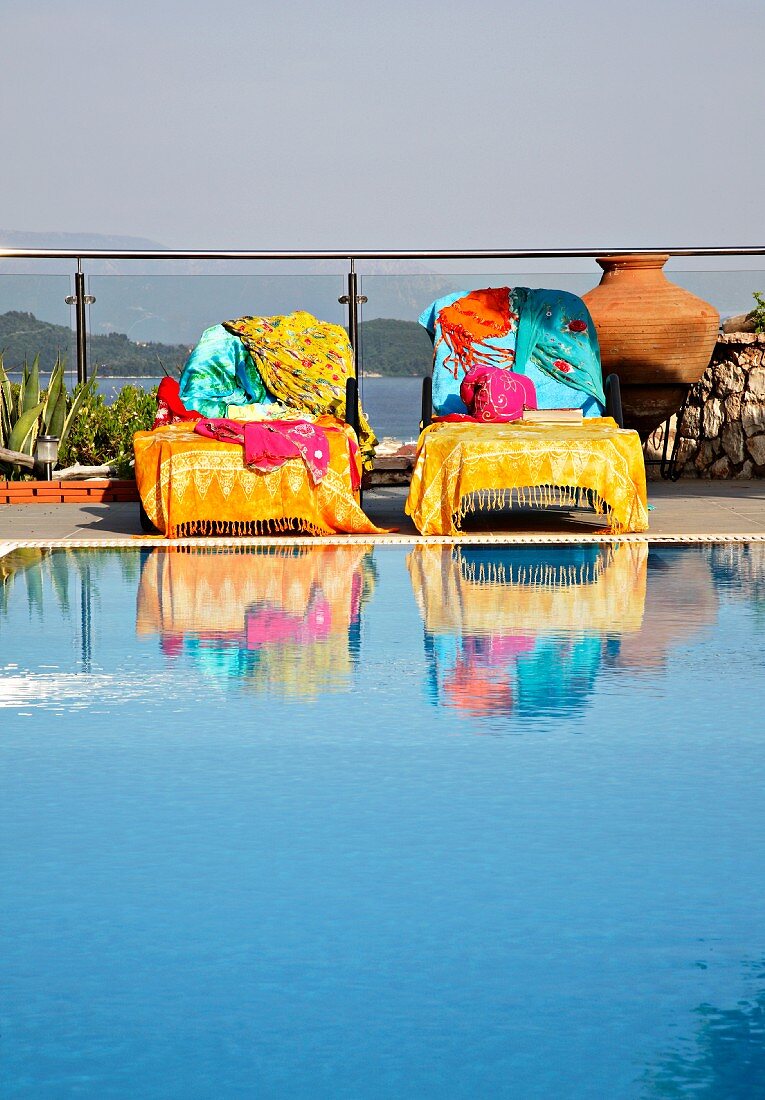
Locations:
(390, 124)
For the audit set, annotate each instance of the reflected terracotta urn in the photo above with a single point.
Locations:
(656, 336)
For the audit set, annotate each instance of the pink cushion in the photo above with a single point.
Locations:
(495, 394)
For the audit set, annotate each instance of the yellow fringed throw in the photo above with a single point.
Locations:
(190, 485)
(462, 466)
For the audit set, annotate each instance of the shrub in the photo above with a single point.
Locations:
(102, 433)
(27, 410)
(758, 313)
(91, 432)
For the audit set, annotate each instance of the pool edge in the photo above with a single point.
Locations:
(137, 541)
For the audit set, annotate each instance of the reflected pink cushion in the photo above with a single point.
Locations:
(495, 394)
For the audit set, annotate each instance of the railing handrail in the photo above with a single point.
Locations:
(362, 254)
(350, 256)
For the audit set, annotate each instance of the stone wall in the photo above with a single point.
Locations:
(722, 431)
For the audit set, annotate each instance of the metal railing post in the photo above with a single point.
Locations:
(353, 299)
(353, 316)
(79, 300)
(82, 336)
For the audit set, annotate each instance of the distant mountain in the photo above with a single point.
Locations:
(389, 347)
(23, 238)
(23, 337)
(173, 301)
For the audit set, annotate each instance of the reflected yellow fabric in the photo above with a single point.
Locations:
(544, 464)
(190, 485)
(453, 599)
(207, 598)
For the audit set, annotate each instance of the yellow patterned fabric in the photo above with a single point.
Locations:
(460, 467)
(304, 363)
(190, 485)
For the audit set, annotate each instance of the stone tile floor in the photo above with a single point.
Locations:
(686, 508)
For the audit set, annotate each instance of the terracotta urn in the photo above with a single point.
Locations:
(656, 336)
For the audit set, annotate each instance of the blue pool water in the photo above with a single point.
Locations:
(349, 822)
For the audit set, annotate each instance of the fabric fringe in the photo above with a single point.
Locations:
(251, 528)
(540, 575)
(536, 496)
(269, 550)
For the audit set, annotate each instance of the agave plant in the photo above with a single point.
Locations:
(27, 411)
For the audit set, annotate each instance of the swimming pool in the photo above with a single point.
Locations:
(377, 822)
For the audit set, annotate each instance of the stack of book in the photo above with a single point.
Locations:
(552, 416)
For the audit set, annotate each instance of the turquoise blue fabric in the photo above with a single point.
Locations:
(555, 331)
(554, 344)
(220, 372)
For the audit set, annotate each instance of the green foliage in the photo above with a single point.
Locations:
(27, 411)
(103, 433)
(90, 431)
(758, 313)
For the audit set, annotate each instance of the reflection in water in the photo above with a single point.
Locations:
(41, 568)
(523, 629)
(285, 620)
(739, 573)
(680, 602)
(375, 897)
(725, 1060)
(527, 630)
(45, 570)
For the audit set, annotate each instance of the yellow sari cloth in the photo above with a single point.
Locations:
(545, 464)
(190, 485)
(304, 363)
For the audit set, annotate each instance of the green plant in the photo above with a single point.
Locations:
(27, 411)
(91, 432)
(758, 313)
(104, 433)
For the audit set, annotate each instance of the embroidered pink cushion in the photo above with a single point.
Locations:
(495, 394)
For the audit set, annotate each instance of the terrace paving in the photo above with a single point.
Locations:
(684, 510)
